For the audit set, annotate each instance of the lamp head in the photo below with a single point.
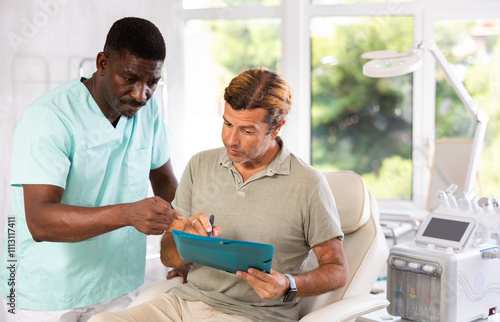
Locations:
(391, 67)
(388, 63)
(383, 54)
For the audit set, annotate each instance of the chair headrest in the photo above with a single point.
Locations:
(351, 198)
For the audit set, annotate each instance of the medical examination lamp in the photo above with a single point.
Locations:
(386, 63)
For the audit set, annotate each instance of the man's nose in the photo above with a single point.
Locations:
(233, 137)
(140, 92)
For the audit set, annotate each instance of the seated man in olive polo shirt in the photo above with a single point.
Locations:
(258, 192)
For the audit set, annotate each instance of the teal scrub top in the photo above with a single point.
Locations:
(63, 139)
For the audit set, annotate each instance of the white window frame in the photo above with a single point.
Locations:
(295, 66)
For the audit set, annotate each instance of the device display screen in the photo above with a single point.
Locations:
(446, 229)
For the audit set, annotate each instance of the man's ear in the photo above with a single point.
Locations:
(102, 63)
(277, 128)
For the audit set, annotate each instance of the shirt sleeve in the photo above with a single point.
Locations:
(162, 138)
(323, 222)
(41, 149)
(183, 195)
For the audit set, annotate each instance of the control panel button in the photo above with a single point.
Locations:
(414, 265)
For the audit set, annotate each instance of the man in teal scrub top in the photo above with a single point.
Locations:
(84, 154)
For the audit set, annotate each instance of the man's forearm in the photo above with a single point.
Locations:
(165, 191)
(323, 279)
(164, 182)
(49, 220)
(169, 255)
(65, 223)
(331, 274)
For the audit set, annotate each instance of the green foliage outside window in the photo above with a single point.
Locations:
(364, 124)
(240, 45)
(359, 123)
(474, 50)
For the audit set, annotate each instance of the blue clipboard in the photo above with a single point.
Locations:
(224, 254)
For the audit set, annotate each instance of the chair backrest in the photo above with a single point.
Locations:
(364, 243)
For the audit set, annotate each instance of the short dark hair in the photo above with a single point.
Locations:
(260, 88)
(139, 37)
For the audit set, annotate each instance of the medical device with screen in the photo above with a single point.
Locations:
(446, 274)
(446, 231)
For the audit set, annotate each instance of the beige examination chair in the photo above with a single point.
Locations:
(365, 248)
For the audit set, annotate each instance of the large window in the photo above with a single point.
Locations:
(214, 52)
(384, 129)
(352, 1)
(473, 49)
(199, 4)
(359, 123)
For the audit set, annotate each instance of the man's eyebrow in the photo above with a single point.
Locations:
(130, 74)
(156, 80)
(247, 126)
(242, 126)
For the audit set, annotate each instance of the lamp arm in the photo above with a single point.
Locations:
(475, 156)
(480, 117)
(459, 88)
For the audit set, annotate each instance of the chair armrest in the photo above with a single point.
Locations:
(347, 309)
(155, 290)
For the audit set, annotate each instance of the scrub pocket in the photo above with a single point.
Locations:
(138, 164)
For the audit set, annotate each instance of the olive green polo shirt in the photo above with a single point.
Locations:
(288, 205)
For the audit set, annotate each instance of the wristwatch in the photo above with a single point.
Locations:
(291, 292)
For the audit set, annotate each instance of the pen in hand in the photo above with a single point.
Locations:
(212, 218)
